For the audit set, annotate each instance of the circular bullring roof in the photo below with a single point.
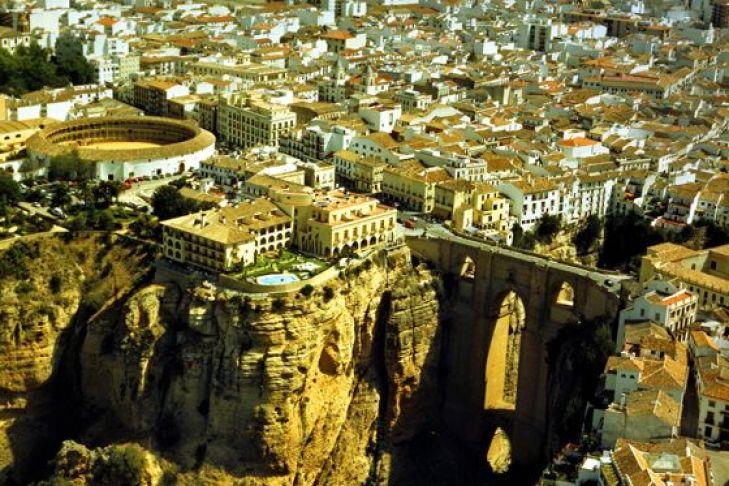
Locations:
(121, 139)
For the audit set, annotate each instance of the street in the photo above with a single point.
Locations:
(141, 192)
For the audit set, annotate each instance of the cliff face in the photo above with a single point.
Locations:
(298, 389)
(44, 286)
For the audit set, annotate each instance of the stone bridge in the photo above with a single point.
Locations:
(509, 305)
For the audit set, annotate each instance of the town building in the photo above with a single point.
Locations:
(702, 272)
(246, 122)
(220, 239)
(337, 223)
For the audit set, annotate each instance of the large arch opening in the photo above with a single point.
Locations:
(502, 360)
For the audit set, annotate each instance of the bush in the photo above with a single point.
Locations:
(328, 294)
(55, 284)
(587, 235)
(523, 239)
(79, 223)
(307, 290)
(24, 287)
(124, 465)
(278, 304)
(14, 262)
(104, 221)
(547, 227)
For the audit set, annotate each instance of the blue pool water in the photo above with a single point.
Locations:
(277, 279)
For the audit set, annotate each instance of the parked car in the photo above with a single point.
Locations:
(410, 224)
(58, 212)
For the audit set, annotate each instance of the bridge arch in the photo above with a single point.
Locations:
(501, 373)
(564, 294)
(467, 268)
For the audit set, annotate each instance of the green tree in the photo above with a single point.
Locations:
(125, 465)
(547, 227)
(86, 191)
(70, 61)
(588, 234)
(104, 221)
(70, 166)
(79, 223)
(167, 202)
(524, 240)
(106, 192)
(626, 237)
(9, 189)
(61, 195)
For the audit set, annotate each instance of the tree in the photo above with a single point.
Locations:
(547, 227)
(28, 69)
(70, 166)
(104, 221)
(168, 203)
(587, 234)
(9, 189)
(61, 195)
(79, 223)
(125, 464)
(106, 192)
(522, 239)
(626, 237)
(86, 191)
(70, 61)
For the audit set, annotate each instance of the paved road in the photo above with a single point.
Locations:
(610, 280)
(32, 210)
(141, 192)
(690, 409)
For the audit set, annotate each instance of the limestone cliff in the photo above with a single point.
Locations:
(44, 286)
(311, 388)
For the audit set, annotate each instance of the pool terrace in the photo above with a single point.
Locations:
(281, 262)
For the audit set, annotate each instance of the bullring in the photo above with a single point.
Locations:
(126, 147)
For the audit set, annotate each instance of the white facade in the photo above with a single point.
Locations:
(120, 171)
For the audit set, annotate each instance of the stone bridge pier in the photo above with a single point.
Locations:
(509, 305)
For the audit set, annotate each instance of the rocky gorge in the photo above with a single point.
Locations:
(329, 385)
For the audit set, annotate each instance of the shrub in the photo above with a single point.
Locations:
(55, 283)
(328, 294)
(547, 227)
(278, 304)
(24, 287)
(523, 239)
(307, 290)
(124, 465)
(588, 234)
(14, 262)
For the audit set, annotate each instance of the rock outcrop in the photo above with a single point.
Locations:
(290, 389)
(45, 285)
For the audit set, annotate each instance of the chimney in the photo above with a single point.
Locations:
(622, 400)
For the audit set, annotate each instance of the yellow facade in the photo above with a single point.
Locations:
(365, 174)
(336, 223)
(219, 239)
(413, 185)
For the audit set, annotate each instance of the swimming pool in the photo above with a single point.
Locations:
(277, 279)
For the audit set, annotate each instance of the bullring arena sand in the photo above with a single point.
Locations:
(121, 145)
